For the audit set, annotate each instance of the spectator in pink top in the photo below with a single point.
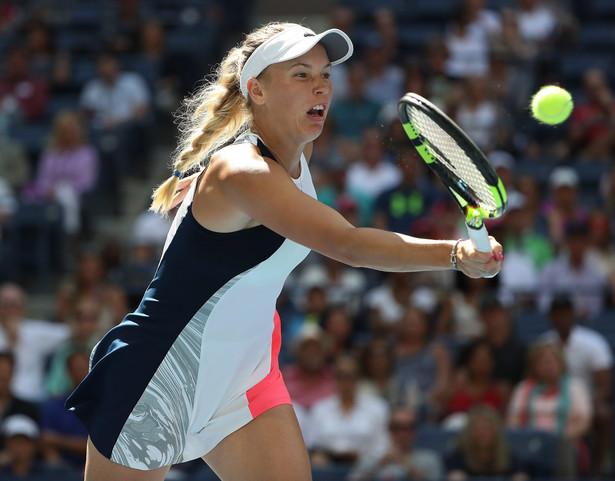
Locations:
(68, 168)
(309, 379)
(551, 400)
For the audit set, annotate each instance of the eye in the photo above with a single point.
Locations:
(301, 75)
(326, 76)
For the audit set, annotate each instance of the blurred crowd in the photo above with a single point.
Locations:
(393, 376)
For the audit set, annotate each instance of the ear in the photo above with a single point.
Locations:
(255, 91)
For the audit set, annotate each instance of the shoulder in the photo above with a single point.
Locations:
(587, 336)
(242, 166)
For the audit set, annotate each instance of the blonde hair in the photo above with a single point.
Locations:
(500, 461)
(62, 118)
(535, 352)
(213, 115)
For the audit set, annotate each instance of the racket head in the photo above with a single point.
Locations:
(454, 157)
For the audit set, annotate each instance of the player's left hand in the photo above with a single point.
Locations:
(475, 263)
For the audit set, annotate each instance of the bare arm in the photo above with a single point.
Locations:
(240, 189)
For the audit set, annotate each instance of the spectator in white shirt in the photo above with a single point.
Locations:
(536, 22)
(30, 341)
(349, 424)
(588, 357)
(373, 173)
(573, 272)
(117, 104)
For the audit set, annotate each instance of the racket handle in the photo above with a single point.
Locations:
(480, 238)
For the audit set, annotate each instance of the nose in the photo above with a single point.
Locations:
(323, 86)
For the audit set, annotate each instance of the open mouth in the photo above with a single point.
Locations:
(317, 111)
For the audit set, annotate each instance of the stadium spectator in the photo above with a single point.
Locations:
(90, 280)
(22, 436)
(551, 400)
(422, 368)
(384, 78)
(9, 404)
(348, 424)
(508, 352)
(30, 341)
(537, 23)
(403, 460)
(478, 114)
(573, 272)
(397, 208)
(343, 285)
(439, 85)
(337, 323)
(591, 133)
(85, 333)
(64, 438)
(170, 75)
(386, 303)
(121, 29)
(562, 207)
(14, 163)
(602, 248)
(483, 450)
(588, 356)
(483, 18)
(67, 170)
(117, 105)
(8, 205)
(22, 95)
(528, 249)
(459, 315)
(467, 45)
(377, 360)
(474, 383)
(309, 378)
(372, 174)
(353, 115)
(46, 61)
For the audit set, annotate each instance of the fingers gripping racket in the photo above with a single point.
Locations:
(458, 162)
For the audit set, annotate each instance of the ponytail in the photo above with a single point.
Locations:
(212, 116)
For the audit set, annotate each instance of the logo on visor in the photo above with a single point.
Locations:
(308, 34)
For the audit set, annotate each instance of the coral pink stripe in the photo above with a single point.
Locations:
(271, 391)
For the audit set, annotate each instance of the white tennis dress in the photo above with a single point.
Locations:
(198, 359)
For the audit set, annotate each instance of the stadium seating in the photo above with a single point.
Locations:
(530, 324)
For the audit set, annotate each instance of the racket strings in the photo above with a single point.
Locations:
(443, 147)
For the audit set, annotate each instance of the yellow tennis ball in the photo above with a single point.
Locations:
(552, 105)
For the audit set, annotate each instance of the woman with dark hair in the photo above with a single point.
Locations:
(474, 384)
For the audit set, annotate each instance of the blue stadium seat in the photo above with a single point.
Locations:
(603, 9)
(35, 233)
(436, 439)
(58, 102)
(77, 40)
(417, 36)
(572, 66)
(597, 37)
(535, 448)
(32, 136)
(530, 324)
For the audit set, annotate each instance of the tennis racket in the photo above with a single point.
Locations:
(458, 163)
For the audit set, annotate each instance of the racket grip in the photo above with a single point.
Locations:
(480, 238)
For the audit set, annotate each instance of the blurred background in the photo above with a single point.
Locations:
(393, 376)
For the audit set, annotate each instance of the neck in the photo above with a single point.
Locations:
(287, 150)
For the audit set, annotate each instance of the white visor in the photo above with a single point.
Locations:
(293, 43)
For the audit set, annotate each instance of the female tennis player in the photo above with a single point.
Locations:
(193, 371)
